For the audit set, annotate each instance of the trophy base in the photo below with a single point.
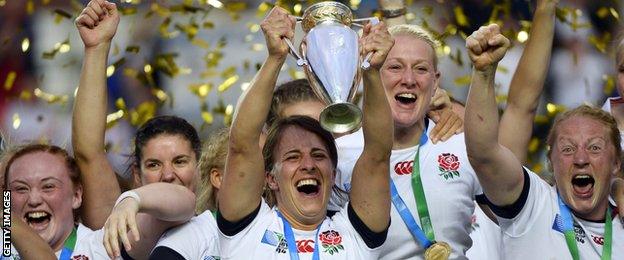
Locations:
(341, 118)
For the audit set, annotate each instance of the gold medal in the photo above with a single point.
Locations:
(438, 251)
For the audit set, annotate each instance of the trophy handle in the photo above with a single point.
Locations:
(293, 51)
(374, 20)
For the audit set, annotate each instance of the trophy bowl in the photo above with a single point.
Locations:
(330, 48)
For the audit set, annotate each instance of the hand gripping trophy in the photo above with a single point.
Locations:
(331, 61)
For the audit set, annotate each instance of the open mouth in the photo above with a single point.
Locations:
(405, 98)
(37, 219)
(308, 186)
(583, 184)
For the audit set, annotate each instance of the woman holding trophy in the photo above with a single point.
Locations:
(299, 160)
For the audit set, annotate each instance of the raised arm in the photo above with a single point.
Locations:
(165, 202)
(244, 177)
(370, 187)
(97, 25)
(395, 10)
(499, 171)
(516, 125)
(29, 244)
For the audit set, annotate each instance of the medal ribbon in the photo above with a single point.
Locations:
(424, 236)
(290, 240)
(68, 247)
(568, 231)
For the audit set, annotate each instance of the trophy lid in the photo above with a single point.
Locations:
(326, 11)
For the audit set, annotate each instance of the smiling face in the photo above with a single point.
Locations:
(302, 176)
(44, 196)
(584, 161)
(168, 158)
(409, 77)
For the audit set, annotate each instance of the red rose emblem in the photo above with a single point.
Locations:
(330, 237)
(448, 162)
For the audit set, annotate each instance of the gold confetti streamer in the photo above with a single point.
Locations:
(25, 95)
(127, 10)
(113, 118)
(59, 15)
(207, 117)
(160, 94)
(51, 98)
(609, 84)
(200, 90)
(110, 70)
(190, 29)
(16, 121)
(600, 43)
(200, 43)
(133, 49)
(25, 44)
(257, 47)
(263, 8)
(460, 17)
(463, 80)
(215, 3)
(534, 144)
(10, 79)
(145, 111)
(30, 7)
(229, 111)
(59, 47)
(227, 83)
(120, 104)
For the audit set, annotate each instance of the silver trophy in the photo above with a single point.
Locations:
(331, 60)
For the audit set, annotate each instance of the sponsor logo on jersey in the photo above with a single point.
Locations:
(448, 164)
(281, 246)
(404, 167)
(598, 240)
(80, 257)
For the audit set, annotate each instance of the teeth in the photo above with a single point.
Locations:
(39, 214)
(306, 182)
(406, 95)
(582, 177)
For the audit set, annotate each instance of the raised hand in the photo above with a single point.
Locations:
(376, 39)
(97, 23)
(122, 219)
(277, 26)
(486, 47)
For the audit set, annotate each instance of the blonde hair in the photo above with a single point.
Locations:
(420, 33)
(213, 156)
(589, 112)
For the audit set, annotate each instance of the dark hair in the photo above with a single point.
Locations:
(165, 125)
(305, 123)
(289, 93)
(70, 162)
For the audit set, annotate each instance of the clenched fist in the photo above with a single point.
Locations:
(486, 47)
(97, 23)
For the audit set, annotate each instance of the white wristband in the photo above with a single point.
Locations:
(128, 194)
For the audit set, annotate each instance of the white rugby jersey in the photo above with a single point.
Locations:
(89, 245)
(264, 238)
(449, 183)
(486, 237)
(536, 232)
(196, 239)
